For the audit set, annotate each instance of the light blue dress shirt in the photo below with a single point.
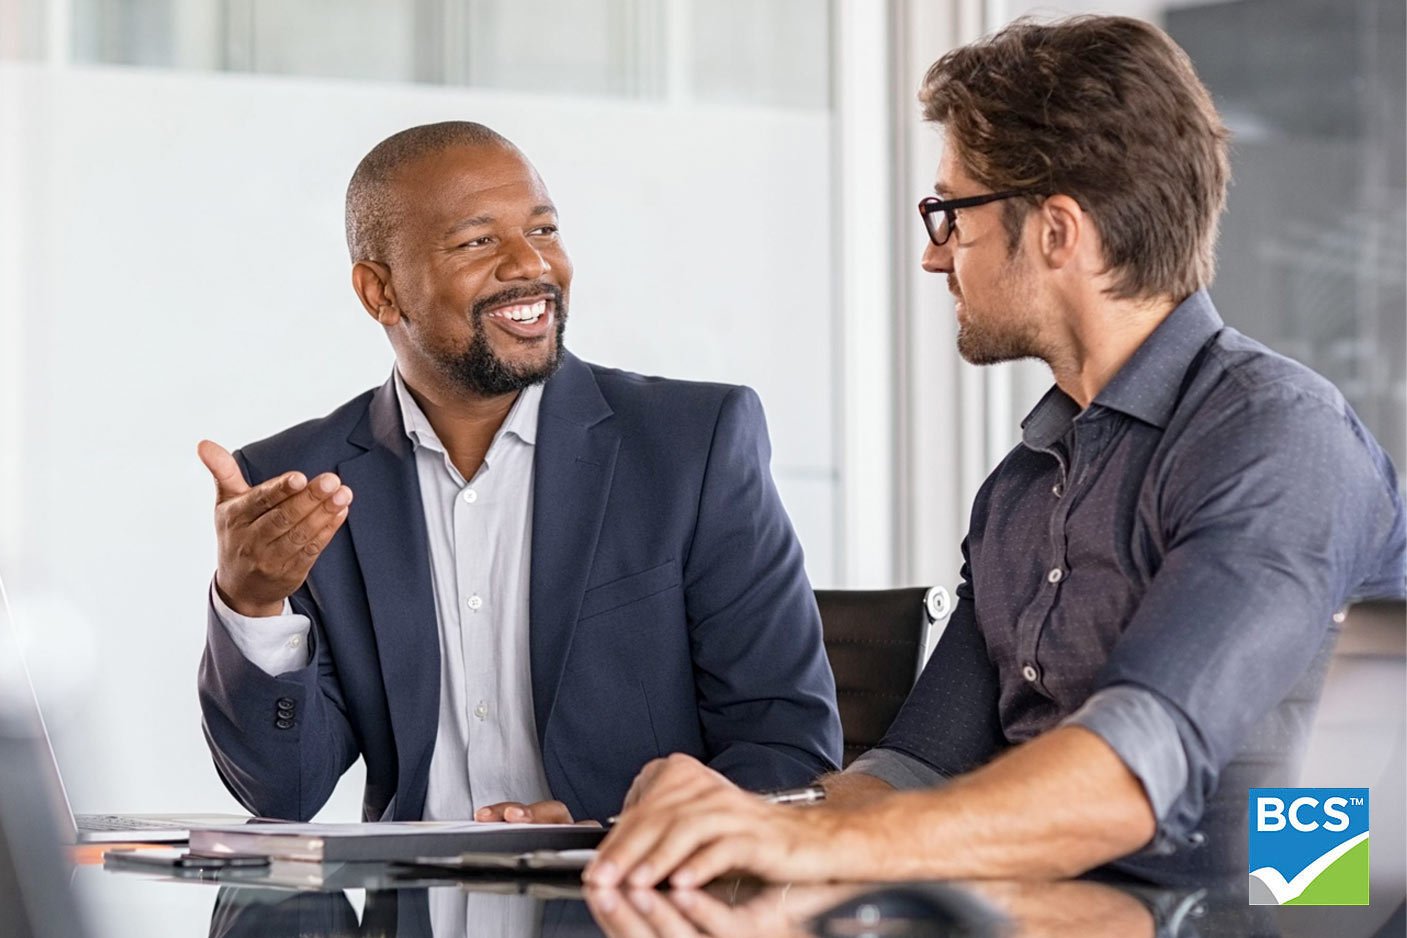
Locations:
(480, 546)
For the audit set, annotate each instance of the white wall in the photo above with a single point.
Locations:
(173, 268)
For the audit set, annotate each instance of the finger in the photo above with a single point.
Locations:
(679, 783)
(706, 865)
(642, 781)
(661, 914)
(688, 834)
(706, 913)
(308, 554)
(633, 836)
(616, 916)
(549, 812)
(326, 492)
(244, 510)
(291, 544)
(229, 481)
(496, 812)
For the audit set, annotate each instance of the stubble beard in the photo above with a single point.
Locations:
(1007, 333)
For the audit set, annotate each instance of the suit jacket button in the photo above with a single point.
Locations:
(285, 702)
(284, 724)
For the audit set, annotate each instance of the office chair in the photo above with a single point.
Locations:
(876, 641)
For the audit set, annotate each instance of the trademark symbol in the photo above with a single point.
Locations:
(1358, 802)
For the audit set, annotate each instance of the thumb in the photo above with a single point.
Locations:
(229, 481)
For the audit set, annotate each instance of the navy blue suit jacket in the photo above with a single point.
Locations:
(669, 610)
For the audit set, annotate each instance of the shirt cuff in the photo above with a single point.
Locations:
(273, 644)
(1142, 733)
(901, 772)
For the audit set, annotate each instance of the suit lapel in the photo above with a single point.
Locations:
(572, 467)
(387, 524)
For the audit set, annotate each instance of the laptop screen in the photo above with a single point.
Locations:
(35, 898)
(21, 719)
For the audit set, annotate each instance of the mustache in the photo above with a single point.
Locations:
(486, 303)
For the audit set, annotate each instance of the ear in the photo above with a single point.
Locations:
(372, 281)
(1064, 225)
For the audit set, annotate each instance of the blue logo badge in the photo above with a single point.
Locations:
(1309, 846)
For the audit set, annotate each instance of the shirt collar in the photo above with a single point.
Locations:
(1147, 386)
(520, 422)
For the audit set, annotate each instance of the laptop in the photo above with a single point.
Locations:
(21, 707)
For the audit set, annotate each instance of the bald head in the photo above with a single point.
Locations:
(371, 203)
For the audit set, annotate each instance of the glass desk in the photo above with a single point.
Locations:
(366, 900)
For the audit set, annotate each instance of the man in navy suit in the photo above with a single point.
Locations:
(553, 572)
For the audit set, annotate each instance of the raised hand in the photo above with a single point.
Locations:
(271, 534)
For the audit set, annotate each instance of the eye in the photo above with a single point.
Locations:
(476, 242)
(549, 231)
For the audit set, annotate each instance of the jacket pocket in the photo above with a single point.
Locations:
(629, 589)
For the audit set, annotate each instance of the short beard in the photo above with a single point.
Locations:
(479, 372)
(979, 347)
(985, 341)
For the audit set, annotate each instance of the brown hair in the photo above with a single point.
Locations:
(1106, 110)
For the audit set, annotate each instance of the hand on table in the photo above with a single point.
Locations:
(271, 534)
(688, 824)
(515, 812)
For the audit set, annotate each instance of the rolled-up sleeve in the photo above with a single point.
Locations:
(1270, 518)
(1156, 744)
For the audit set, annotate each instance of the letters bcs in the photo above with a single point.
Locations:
(1271, 814)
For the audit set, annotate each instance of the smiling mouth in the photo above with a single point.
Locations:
(527, 313)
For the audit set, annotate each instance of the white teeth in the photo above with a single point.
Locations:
(528, 313)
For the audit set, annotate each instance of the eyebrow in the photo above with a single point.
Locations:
(478, 221)
(941, 190)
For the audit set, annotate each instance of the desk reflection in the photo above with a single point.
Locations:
(511, 910)
(741, 909)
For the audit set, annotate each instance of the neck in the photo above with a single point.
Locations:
(1099, 339)
(465, 424)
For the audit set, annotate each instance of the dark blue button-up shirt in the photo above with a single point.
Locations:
(1163, 566)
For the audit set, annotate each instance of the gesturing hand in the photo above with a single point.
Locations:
(269, 535)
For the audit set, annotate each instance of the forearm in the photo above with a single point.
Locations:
(1054, 807)
(852, 789)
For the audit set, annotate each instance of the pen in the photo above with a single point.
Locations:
(810, 794)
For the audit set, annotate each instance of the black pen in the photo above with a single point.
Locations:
(810, 794)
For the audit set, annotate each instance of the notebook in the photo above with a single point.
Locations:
(19, 700)
(391, 840)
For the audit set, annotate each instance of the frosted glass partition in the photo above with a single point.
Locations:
(174, 268)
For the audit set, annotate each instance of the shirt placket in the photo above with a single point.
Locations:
(1055, 560)
(476, 610)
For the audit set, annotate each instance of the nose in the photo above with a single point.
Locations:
(521, 261)
(938, 259)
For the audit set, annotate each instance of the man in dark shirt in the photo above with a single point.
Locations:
(1151, 576)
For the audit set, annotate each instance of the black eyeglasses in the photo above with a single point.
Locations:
(940, 218)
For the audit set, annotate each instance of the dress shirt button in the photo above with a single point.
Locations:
(1055, 575)
(294, 641)
(471, 496)
(482, 710)
(1029, 673)
(475, 602)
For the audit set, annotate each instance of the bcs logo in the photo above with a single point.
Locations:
(1309, 846)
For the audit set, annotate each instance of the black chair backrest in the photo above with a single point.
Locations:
(875, 642)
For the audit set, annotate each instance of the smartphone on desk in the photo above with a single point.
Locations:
(171, 858)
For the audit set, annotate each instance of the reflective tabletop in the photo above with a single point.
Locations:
(298, 900)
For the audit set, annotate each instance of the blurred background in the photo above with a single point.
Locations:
(736, 181)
